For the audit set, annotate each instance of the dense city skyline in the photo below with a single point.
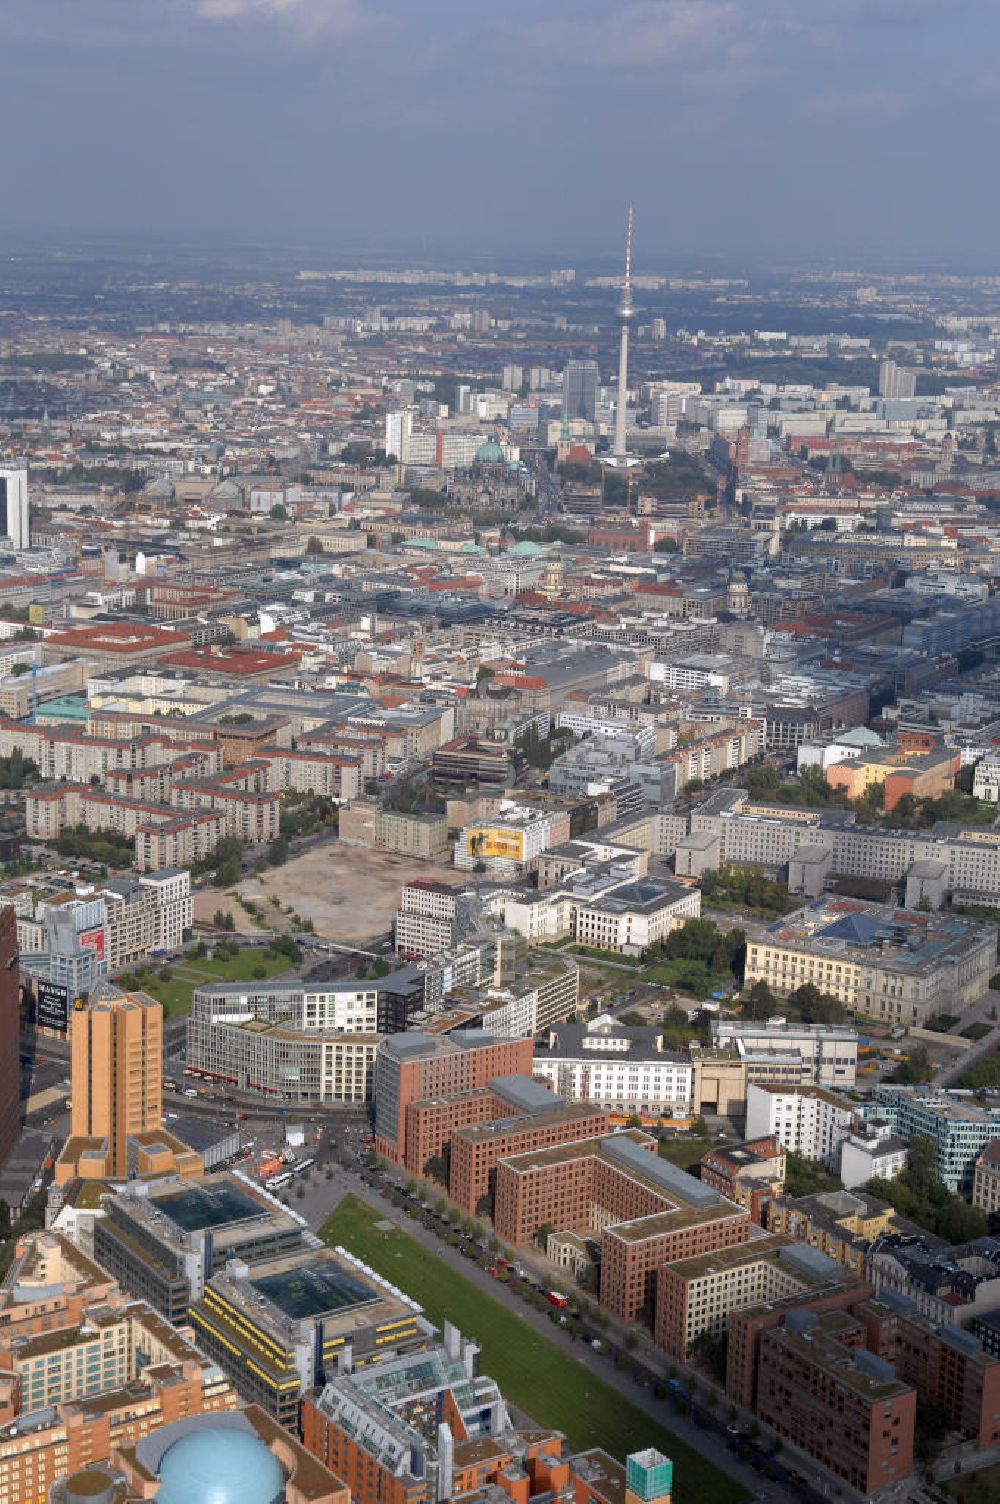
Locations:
(743, 131)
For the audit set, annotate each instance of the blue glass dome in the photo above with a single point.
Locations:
(220, 1465)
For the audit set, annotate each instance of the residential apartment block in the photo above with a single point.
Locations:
(805, 1120)
(840, 1403)
(986, 1178)
(752, 1173)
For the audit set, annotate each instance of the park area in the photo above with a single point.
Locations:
(174, 986)
(534, 1374)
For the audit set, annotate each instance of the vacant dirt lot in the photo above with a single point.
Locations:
(348, 893)
(206, 903)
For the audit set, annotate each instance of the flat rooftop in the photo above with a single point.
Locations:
(315, 1289)
(199, 1207)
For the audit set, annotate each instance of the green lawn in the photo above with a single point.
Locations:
(684, 1152)
(177, 994)
(534, 1374)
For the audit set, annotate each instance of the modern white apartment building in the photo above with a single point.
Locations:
(869, 1155)
(806, 1120)
(14, 524)
(986, 780)
(172, 889)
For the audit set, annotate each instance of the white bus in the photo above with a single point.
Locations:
(277, 1181)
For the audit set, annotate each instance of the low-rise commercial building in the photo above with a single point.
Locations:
(509, 842)
(959, 1125)
(279, 1328)
(163, 1242)
(825, 1054)
(603, 906)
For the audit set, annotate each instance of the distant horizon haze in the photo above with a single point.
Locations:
(746, 132)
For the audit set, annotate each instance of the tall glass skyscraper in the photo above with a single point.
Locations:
(580, 390)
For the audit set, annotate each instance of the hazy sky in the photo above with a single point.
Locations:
(743, 129)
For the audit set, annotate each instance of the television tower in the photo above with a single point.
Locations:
(625, 313)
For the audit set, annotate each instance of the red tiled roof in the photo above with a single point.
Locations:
(117, 637)
(237, 661)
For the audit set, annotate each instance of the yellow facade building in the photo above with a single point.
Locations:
(116, 1045)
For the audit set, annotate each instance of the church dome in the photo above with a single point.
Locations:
(489, 453)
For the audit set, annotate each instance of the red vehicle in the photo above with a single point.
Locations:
(558, 1300)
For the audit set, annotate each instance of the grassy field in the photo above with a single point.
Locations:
(534, 1374)
(684, 1152)
(176, 994)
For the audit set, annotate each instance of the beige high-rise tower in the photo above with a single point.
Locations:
(117, 1070)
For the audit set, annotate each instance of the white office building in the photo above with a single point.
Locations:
(14, 525)
(612, 1065)
(806, 1120)
(824, 1054)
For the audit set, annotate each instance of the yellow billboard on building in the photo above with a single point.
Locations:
(490, 841)
(36, 615)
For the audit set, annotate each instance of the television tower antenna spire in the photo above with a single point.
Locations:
(625, 313)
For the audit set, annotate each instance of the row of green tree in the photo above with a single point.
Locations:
(806, 1002)
(17, 770)
(109, 848)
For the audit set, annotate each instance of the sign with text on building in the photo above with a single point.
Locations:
(52, 1007)
(94, 940)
